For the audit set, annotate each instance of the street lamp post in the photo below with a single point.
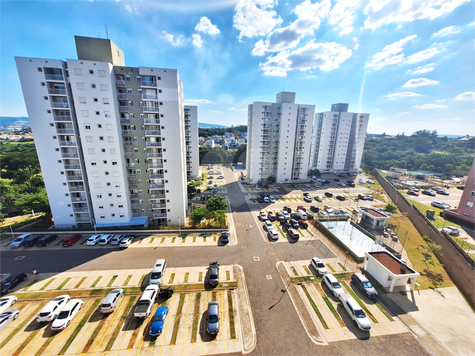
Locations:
(179, 226)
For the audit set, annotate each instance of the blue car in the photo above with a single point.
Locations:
(158, 321)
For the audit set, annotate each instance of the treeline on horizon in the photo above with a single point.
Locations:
(208, 132)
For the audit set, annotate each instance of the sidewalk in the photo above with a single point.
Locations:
(247, 320)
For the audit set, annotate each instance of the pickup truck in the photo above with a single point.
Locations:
(145, 303)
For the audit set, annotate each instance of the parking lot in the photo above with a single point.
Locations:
(92, 332)
(330, 318)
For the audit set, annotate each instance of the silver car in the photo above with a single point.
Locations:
(212, 321)
(7, 317)
(111, 301)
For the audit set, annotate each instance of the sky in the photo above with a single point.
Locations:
(409, 64)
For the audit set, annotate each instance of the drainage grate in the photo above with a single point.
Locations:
(269, 276)
(257, 259)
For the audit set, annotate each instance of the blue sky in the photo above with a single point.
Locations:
(409, 64)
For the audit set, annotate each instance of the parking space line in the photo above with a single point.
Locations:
(222, 318)
(144, 333)
(126, 328)
(85, 331)
(166, 328)
(110, 323)
(186, 320)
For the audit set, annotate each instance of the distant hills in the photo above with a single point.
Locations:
(210, 126)
(8, 120)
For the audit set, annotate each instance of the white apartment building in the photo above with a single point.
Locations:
(192, 145)
(279, 140)
(338, 140)
(110, 138)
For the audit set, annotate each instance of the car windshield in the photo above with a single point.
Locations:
(336, 285)
(2, 303)
(213, 319)
(157, 318)
(367, 285)
(18, 240)
(63, 315)
(44, 314)
(106, 305)
(320, 265)
(156, 275)
(213, 276)
(360, 314)
(6, 283)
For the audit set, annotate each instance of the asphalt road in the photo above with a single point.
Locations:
(279, 329)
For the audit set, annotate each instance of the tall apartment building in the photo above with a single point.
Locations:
(110, 138)
(338, 140)
(279, 140)
(191, 142)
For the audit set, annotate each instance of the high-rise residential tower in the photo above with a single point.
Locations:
(191, 142)
(110, 138)
(279, 139)
(338, 140)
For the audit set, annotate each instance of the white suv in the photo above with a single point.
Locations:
(332, 283)
(268, 225)
(104, 240)
(318, 265)
(93, 239)
(355, 312)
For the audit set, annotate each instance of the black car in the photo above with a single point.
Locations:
(280, 216)
(294, 223)
(287, 209)
(11, 282)
(314, 209)
(203, 197)
(350, 181)
(224, 237)
(310, 216)
(45, 240)
(351, 185)
(328, 194)
(31, 240)
(336, 179)
(265, 186)
(295, 216)
(364, 285)
(286, 226)
(340, 197)
(306, 194)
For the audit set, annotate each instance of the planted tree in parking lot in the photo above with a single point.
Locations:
(217, 203)
(198, 214)
(390, 208)
(220, 217)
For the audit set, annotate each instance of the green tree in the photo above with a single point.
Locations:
(198, 214)
(314, 173)
(191, 190)
(390, 207)
(220, 217)
(217, 203)
(35, 201)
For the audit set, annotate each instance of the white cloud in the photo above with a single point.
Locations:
(405, 94)
(422, 69)
(440, 101)
(325, 56)
(197, 101)
(467, 96)
(196, 40)
(174, 41)
(253, 18)
(450, 30)
(391, 54)
(400, 11)
(404, 113)
(217, 112)
(419, 82)
(429, 107)
(206, 26)
(343, 14)
(356, 46)
(471, 24)
(422, 55)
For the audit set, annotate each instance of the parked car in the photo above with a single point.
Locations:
(318, 265)
(328, 194)
(91, 241)
(336, 179)
(45, 240)
(318, 198)
(53, 308)
(461, 187)
(451, 230)
(280, 216)
(300, 207)
(287, 209)
(307, 199)
(7, 317)
(158, 321)
(286, 214)
(365, 197)
(7, 302)
(213, 273)
(294, 223)
(442, 192)
(428, 192)
(71, 240)
(266, 199)
(111, 301)
(263, 216)
(333, 285)
(273, 235)
(286, 226)
(413, 192)
(31, 240)
(146, 301)
(303, 224)
(210, 177)
(117, 239)
(293, 234)
(17, 242)
(212, 321)
(268, 225)
(220, 177)
(369, 181)
(67, 314)
(440, 205)
(225, 237)
(340, 197)
(322, 214)
(328, 209)
(314, 209)
(126, 241)
(310, 216)
(364, 285)
(105, 239)
(271, 199)
(352, 185)
(7, 285)
(271, 216)
(355, 312)
(341, 184)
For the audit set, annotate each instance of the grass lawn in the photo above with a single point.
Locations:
(431, 276)
(439, 221)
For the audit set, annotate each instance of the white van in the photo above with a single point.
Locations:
(158, 271)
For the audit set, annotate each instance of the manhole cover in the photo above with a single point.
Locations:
(257, 259)
(269, 276)
(19, 258)
(243, 247)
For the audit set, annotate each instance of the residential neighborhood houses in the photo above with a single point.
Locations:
(226, 141)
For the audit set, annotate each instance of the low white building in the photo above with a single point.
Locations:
(374, 218)
(389, 270)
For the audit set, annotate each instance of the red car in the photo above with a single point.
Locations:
(71, 240)
(301, 208)
(412, 192)
(303, 224)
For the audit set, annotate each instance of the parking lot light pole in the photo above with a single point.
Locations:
(179, 226)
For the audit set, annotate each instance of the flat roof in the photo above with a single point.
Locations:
(375, 213)
(391, 262)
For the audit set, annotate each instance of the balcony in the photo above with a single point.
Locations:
(159, 206)
(157, 186)
(126, 132)
(122, 95)
(62, 117)
(154, 144)
(83, 218)
(69, 155)
(131, 175)
(80, 210)
(156, 176)
(78, 199)
(65, 131)
(148, 83)
(120, 83)
(157, 196)
(74, 177)
(150, 108)
(155, 165)
(128, 143)
(123, 108)
(129, 165)
(76, 188)
(72, 166)
(159, 215)
(55, 104)
(151, 121)
(57, 91)
(152, 133)
(150, 96)
(133, 186)
(124, 120)
(154, 155)
(54, 77)
(128, 154)
(67, 143)
(134, 196)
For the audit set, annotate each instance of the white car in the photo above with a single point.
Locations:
(328, 209)
(53, 308)
(263, 216)
(67, 314)
(355, 312)
(111, 301)
(126, 241)
(440, 205)
(273, 235)
(117, 239)
(268, 225)
(272, 199)
(333, 285)
(104, 240)
(93, 240)
(318, 265)
(7, 302)
(451, 230)
(7, 317)
(362, 181)
(286, 214)
(370, 181)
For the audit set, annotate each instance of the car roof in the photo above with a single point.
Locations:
(361, 277)
(71, 304)
(331, 277)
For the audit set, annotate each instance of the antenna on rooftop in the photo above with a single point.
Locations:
(107, 33)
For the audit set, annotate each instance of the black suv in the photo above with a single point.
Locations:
(328, 194)
(31, 240)
(340, 197)
(45, 240)
(11, 282)
(294, 223)
(364, 285)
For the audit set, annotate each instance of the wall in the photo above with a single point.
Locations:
(458, 265)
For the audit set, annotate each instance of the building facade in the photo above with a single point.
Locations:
(338, 140)
(279, 140)
(191, 142)
(110, 138)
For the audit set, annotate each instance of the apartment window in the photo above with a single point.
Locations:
(67, 194)
(99, 196)
(109, 127)
(104, 161)
(93, 163)
(93, 86)
(91, 151)
(40, 69)
(127, 77)
(89, 139)
(122, 215)
(110, 138)
(121, 206)
(107, 113)
(111, 205)
(102, 73)
(101, 138)
(110, 194)
(104, 87)
(43, 84)
(472, 193)
(112, 215)
(102, 217)
(139, 91)
(97, 112)
(45, 97)
(91, 71)
(159, 90)
(105, 101)
(77, 71)
(114, 163)
(82, 100)
(119, 195)
(161, 103)
(95, 100)
(51, 124)
(108, 184)
(84, 113)
(80, 86)
(61, 173)
(48, 111)
(101, 207)
(138, 79)
(112, 151)
(106, 173)
(470, 204)
(103, 150)
(95, 174)
(159, 78)
(64, 184)
(59, 161)
(87, 127)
